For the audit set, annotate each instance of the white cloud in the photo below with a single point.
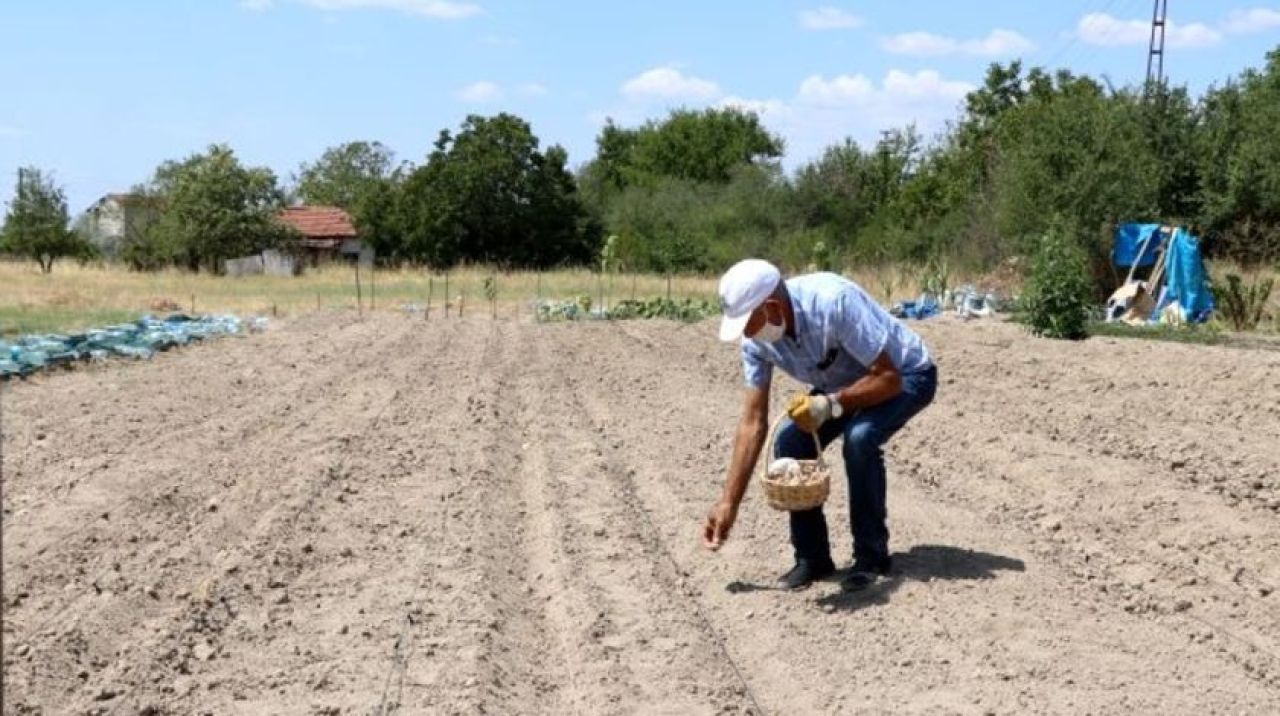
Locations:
(763, 107)
(828, 18)
(897, 88)
(669, 83)
(7, 131)
(1194, 35)
(1104, 30)
(839, 90)
(438, 9)
(997, 43)
(927, 85)
(480, 92)
(826, 110)
(923, 44)
(485, 91)
(1257, 19)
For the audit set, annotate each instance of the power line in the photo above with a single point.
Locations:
(1074, 32)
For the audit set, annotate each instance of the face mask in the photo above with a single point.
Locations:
(770, 332)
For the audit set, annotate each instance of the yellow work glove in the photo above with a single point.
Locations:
(810, 411)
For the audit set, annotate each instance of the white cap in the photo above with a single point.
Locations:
(743, 288)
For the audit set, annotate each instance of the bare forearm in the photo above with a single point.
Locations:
(746, 450)
(870, 391)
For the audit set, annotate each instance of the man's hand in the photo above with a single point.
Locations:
(809, 411)
(719, 521)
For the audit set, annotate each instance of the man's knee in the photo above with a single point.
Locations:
(861, 440)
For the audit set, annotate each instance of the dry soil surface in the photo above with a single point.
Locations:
(494, 516)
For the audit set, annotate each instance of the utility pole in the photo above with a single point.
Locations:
(1155, 53)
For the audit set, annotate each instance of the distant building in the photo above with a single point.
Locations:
(327, 232)
(114, 217)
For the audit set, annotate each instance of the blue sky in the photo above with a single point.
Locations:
(101, 92)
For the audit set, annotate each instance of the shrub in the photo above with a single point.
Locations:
(1242, 306)
(1058, 290)
(687, 310)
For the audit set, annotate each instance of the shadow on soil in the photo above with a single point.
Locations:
(922, 563)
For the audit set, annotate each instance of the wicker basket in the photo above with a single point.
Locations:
(790, 494)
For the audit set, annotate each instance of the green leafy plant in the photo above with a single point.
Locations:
(568, 310)
(935, 279)
(609, 254)
(1056, 303)
(1242, 306)
(687, 310)
(821, 256)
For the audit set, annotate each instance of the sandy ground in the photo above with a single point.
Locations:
(479, 516)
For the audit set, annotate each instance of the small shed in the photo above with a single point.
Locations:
(327, 232)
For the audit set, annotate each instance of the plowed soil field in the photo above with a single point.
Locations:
(392, 515)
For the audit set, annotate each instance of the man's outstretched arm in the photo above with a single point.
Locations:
(747, 442)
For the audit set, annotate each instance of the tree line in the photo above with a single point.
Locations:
(697, 189)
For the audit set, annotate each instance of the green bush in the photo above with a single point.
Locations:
(687, 310)
(1058, 290)
(1242, 306)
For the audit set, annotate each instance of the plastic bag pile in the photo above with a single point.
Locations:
(140, 339)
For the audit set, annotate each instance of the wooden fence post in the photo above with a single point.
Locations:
(359, 305)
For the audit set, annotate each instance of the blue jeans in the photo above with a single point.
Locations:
(865, 433)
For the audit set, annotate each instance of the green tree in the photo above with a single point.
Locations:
(1076, 153)
(614, 149)
(697, 145)
(1169, 121)
(344, 174)
(829, 190)
(490, 195)
(1240, 165)
(150, 245)
(361, 178)
(675, 224)
(36, 224)
(853, 195)
(1002, 89)
(1028, 145)
(214, 208)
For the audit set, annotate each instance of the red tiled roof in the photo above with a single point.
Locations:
(319, 221)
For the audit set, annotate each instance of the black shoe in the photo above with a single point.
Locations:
(806, 572)
(864, 573)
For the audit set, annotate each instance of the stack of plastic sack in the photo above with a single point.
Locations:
(141, 339)
(926, 307)
(968, 302)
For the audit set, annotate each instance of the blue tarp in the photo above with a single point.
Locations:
(926, 307)
(1128, 242)
(1186, 280)
(140, 339)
